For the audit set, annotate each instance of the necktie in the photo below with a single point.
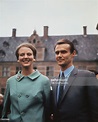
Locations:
(61, 88)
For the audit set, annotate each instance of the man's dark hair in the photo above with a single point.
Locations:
(65, 41)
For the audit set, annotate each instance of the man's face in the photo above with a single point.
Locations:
(63, 55)
(26, 57)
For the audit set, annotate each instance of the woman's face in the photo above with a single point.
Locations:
(26, 57)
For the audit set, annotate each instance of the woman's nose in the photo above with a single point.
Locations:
(25, 55)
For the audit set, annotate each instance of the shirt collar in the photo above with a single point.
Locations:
(32, 76)
(67, 71)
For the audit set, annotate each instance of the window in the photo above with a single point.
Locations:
(49, 71)
(17, 69)
(2, 90)
(35, 68)
(34, 40)
(5, 71)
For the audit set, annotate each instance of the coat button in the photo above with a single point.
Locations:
(19, 95)
(27, 96)
(22, 113)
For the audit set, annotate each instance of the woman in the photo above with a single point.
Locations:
(27, 93)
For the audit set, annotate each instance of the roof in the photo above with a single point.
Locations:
(86, 46)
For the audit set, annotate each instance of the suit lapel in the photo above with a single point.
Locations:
(70, 81)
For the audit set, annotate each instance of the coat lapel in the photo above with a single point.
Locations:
(70, 81)
(54, 85)
(55, 94)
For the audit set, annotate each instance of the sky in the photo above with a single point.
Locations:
(63, 17)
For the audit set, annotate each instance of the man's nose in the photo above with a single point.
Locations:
(59, 54)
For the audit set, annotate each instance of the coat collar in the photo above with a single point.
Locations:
(32, 76)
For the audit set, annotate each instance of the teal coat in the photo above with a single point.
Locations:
(27, 98)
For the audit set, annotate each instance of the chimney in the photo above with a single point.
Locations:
(13, 32)
(85, 30)
(45, 32)
(97, 26)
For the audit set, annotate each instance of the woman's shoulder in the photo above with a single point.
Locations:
(12, 78)
(44, 77)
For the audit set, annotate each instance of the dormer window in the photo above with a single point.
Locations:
(75, 42)
(2, 53)
(5, 44)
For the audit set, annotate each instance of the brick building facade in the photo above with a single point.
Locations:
(86, 58)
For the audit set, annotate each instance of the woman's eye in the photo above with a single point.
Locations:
(22, 54)
(29, 54)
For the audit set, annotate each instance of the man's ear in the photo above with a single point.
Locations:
(34, 59)
(74, 52)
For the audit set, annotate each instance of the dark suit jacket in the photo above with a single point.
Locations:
(79, 102)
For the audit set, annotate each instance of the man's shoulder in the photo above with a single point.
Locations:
(84, 71)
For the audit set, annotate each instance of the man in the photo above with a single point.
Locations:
(79, 100)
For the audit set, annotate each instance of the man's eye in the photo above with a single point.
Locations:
(63, 52)
(57, 52)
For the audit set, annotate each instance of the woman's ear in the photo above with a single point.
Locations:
(18, 61)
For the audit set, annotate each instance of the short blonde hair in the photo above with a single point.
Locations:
(29, 45)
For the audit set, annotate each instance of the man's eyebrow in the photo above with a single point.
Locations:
(59, 50)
